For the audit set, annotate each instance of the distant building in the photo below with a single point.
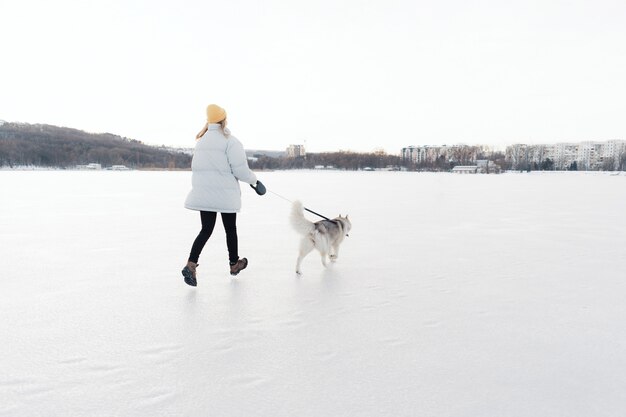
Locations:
(422, 154)
(486, 166)
(90, 167)
(295, 151)
(411, 153)
(119, 168)
(584, 155)
(460, 169)
(614, 153)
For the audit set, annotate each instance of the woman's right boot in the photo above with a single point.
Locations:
(189, 272)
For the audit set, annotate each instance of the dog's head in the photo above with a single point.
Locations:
(345, 223)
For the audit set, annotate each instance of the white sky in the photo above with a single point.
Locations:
(353, 75)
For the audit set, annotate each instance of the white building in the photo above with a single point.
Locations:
(90, 167)
(486, 166)
(612, 151)
(587, 155)
(565, 154)
(410, 153)
(467, 169)
(539, 153)
(294, 151)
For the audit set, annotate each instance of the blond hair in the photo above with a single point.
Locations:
(225, 130)
(222, 124)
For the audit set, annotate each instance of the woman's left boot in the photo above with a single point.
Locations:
(189, 272)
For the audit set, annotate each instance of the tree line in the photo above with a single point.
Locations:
(53, 146)
(345, 160)
(617, 164)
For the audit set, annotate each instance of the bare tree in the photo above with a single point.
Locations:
(622, 161)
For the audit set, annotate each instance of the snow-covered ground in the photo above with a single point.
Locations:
(455, 295)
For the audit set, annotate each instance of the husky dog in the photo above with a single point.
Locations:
(325, 235)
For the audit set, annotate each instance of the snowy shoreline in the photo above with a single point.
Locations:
(35, 168)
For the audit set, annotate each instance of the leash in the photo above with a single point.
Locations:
(310, 211)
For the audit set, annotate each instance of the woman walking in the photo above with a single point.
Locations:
(219, 163)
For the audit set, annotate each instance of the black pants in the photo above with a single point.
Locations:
(208, 223)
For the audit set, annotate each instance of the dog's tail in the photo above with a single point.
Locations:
(298, 221)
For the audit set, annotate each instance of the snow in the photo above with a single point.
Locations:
(455, 295)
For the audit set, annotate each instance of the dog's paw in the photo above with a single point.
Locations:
(333, 258)
(298, 273)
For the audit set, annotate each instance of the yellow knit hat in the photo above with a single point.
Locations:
(215, 114)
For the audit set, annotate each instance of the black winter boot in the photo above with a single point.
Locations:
(189, 272)
(238, 266)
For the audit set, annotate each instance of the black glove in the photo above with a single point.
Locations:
(259, 188)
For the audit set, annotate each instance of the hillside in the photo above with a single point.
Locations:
(53, 146)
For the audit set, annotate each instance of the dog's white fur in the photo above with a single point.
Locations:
(325, 235)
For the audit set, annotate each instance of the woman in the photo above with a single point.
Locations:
(219, 163)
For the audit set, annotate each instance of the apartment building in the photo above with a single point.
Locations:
(294, 151)
(586, 155)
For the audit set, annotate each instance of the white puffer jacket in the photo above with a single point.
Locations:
(219, 163)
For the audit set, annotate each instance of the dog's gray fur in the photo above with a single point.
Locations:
(325, 235)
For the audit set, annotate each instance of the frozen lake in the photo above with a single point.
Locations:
(475, 295)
